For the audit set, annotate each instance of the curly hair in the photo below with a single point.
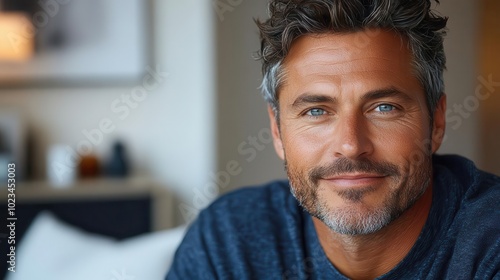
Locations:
(413, 20)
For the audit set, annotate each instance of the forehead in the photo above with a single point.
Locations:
(377, 58)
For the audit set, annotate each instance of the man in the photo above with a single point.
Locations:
(357, 110)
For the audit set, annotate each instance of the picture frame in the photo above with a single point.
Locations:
(81, 42)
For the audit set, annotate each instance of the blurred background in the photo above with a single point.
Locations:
(142, 112)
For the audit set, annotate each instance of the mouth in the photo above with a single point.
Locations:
(355, 180)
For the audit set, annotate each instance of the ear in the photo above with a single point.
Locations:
(278, 144)
(439, 124)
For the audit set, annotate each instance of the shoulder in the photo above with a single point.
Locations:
(245, 215)
(249, 199)
(255, 210)
(462, 178)
(475, 194)
(239, 234)
(475, 226)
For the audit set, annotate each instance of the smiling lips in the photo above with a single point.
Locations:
(355, 180)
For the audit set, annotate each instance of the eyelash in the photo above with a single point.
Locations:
(394, 108)
(308, 114)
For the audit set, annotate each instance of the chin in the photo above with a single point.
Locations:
(357, 217)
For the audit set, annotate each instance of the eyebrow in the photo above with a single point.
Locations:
(384, 93)
(308, 98)
(311, 98)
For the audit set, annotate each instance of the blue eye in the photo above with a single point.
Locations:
(316, 112)
(385, 108)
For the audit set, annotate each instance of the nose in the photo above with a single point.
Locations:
(352, 137)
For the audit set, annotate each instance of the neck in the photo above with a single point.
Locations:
(370, 256)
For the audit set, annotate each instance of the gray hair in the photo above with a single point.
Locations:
(413, 20)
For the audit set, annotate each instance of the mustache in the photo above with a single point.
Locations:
(345, 166)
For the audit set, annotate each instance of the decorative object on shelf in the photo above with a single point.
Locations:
(117, 166)
(13, 137)
(61, 166)
(88, 167)
(5, 159)
(4, 162)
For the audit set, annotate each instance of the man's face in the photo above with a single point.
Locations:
(354, 131)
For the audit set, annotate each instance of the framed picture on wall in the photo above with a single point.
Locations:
(61, 42)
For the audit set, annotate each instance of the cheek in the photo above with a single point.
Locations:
(406, 145)
(305, 146)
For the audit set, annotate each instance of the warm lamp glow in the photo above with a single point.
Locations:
(16, 37)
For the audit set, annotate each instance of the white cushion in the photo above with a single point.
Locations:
(54, 250)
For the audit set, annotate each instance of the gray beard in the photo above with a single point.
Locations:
(409, 188)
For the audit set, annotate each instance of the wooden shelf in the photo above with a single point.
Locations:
(84, 189)
(163, 208)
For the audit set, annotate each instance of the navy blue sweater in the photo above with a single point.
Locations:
(262, 233)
